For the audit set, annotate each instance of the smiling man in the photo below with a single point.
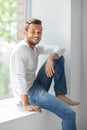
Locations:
(31, 89)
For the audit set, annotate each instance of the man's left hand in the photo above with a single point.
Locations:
(49, 67)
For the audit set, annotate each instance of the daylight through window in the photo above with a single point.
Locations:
(8, 29)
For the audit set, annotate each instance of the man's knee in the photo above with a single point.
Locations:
(62, 59)
(71, 115)
(59, 61)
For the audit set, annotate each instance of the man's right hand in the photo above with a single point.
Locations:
(32, 108)
(27, 106)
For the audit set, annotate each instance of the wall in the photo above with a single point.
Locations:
(76, 43)
(84, 68)
(55, 16)
(76, 47)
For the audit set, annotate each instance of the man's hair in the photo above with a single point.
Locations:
(32, 21)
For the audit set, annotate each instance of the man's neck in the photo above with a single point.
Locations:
(30, 45)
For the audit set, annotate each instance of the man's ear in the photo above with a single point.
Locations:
(24, 32)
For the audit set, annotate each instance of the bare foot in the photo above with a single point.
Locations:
(67, 100)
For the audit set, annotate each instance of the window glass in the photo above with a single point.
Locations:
(8, 29)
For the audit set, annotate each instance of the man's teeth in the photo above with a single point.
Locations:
(35, 38)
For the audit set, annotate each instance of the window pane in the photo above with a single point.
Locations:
(8, 22)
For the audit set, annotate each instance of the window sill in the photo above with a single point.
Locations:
(10, 111)
(14, 117)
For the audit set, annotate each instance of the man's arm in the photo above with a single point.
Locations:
(27, 106)
(50, 49)
(49, 65)
(20, 70)
(54, 55)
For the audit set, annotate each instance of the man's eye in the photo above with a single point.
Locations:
(39, 33)
(33, 32)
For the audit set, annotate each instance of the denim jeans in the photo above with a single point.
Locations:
(38, 94)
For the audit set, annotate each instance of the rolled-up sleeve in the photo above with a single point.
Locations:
(50, 49)
(59, 51)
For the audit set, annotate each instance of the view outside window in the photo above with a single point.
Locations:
(8, 19)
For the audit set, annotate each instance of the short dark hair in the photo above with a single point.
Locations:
(32, 21)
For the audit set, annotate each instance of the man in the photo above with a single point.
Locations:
(32, 89)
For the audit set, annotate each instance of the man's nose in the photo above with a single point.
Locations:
(36, 34)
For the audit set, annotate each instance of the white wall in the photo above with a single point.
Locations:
(84, 67)
(55, 16)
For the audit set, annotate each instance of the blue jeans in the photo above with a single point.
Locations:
(38, 94)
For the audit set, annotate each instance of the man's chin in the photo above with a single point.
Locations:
(33, 44)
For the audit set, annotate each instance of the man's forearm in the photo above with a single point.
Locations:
(54, 55)
(24, 99)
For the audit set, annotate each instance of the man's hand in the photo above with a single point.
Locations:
(32, 108)
(49, 67)
(27, 106)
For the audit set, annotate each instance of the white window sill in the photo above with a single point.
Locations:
(10, 111)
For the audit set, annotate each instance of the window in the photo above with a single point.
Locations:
(8, 30)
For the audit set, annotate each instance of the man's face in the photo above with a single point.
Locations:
(34, 34)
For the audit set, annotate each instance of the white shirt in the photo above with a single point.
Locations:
(23, 65)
